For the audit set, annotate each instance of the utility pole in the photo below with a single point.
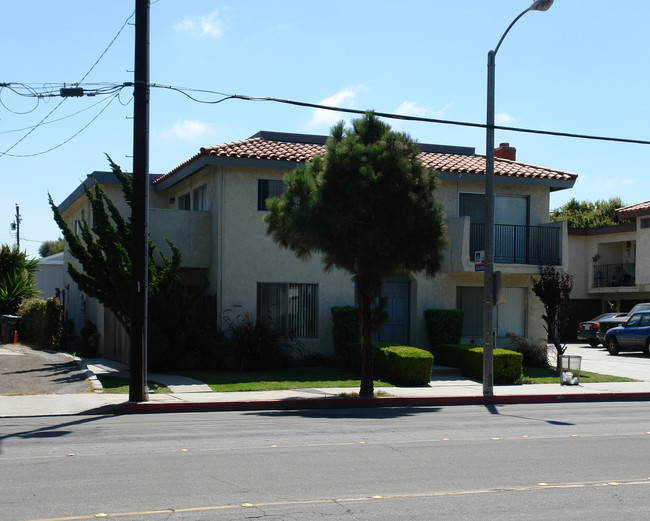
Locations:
(16, 226)
(140, 207)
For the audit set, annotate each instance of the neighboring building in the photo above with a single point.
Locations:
(49, 277)
(610, 265)
(212, 208)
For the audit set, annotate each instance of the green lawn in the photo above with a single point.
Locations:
(551, 376)
(291, 378)
(308, 377)
(121, 386)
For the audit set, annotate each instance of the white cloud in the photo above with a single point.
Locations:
(188, 130)
(504, 119)
(344, 98)
(410, 108)
(206, 25)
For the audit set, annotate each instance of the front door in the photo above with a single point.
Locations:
(396, 290)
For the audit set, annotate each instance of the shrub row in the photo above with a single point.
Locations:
(40, 325)
(345, 329)
(398, 365)
(444, 326)
(508, 365)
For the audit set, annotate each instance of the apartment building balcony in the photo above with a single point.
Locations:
(614, 275)
(523, 247)
(189, 231)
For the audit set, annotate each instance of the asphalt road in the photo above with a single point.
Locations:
(32, 371)
(573, 461)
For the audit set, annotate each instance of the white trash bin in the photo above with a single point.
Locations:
(570, 369)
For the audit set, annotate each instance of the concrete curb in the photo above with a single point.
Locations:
(354, 403)
(92, 377)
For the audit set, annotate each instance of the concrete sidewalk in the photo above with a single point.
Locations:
(443, 390)
(447, 387)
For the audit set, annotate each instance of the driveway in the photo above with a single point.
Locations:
(31, 371)
(598, 360)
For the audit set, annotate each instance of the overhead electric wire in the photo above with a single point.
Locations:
(108, 47)
(443, 121)
(5, 153)
(110, 100)
(403, 117)
(54, 120)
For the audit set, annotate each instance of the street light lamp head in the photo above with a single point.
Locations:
(541, 5)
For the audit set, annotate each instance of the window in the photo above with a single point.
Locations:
(645, 223)
(292, 307)
(184, 202)
(509, 209)
(199, 199)
(268, 188)
(509, 319)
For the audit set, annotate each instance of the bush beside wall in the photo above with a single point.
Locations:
(345, 329)
(40, 322)
(508, 365)
(398, 365)
(444, 326)
(408, 366)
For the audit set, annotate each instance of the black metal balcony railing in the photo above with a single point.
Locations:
(613, 275)
(519, 244)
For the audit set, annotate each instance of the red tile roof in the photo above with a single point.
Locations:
(260, 147)
(633, 210)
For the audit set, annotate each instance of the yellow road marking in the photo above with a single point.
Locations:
(539, 486)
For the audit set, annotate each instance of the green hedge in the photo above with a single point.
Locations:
(407, 365)
(40, 322)
(444, 326)
(345, 329)
(398, 365)
(451, 355)
(508, 365)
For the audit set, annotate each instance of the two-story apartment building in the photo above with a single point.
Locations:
(610, 264)
(212, 207)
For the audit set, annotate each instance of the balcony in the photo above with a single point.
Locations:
(519, 244)
(523, 248)
(189, 231)
(614, 275)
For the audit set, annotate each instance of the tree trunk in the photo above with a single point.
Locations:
(365, 329)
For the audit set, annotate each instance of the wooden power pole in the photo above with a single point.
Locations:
(140, 207)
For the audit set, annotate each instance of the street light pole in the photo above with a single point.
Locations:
(488, 274)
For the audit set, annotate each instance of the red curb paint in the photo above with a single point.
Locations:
(352, 403)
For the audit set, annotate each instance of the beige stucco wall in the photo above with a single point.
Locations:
(229, 240)
(642, 256)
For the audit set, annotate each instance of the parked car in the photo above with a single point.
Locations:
(608, 323)
(634, 335)
(587, 331)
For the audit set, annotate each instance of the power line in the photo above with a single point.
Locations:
(61, 102)
(402, 117)
(6, 152)
(108, 47)
(110, 100)
(54, 120)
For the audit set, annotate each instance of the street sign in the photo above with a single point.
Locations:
(479, 260)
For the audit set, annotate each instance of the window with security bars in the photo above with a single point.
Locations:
(267, 188)
(291, 307)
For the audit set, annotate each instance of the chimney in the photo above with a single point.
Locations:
(505, 151)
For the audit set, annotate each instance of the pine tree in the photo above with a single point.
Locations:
(367, 207)
(102, 252)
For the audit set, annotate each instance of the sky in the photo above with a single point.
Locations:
(581, 67)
